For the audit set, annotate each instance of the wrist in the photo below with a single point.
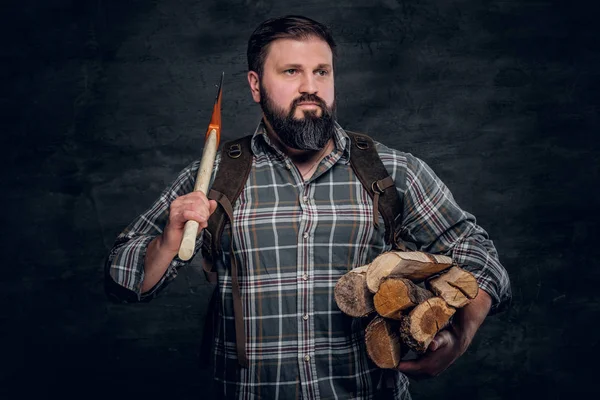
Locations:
(163, 248)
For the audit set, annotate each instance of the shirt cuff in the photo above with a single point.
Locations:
(500, 301)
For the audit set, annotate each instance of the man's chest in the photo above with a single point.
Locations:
(282, 224)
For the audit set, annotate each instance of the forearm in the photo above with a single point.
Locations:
(143, 259)
(469, 318)
(157, 261)
(124, 268)
(139, 268)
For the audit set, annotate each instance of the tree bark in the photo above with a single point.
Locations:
(415, 265)
(351, 293)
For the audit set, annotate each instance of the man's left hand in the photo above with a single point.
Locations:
(450, 343)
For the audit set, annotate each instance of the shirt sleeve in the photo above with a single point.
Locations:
(124, 267)
(436, 224)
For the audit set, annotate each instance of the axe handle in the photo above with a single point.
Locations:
(190, 231)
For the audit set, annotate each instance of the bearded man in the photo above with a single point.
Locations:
(302, 220)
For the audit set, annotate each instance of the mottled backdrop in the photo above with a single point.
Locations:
(103, 102)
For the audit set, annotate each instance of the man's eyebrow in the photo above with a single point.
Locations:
(299, 66)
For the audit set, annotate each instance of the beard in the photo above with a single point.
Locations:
(309, 133)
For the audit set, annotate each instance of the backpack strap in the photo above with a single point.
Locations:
(376, 180)
(234, 168)
(233, 171)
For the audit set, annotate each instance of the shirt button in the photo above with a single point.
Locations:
(307, 358)
(305, 199)
(305, 236)
(305, 317)
(288, 166)
(305, 277)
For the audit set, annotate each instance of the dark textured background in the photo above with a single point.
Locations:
(103, 102)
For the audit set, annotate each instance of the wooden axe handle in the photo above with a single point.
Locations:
(190, 231)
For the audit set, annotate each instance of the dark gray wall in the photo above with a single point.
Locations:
(103, 102)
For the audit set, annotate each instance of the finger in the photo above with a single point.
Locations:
(213, 206)
(189, 215)
(425, 367)
(180, 215)
(415, 369)
(193, 198)
(442, 339)
(185, 201)
(197, 204)
(200, 196)
(409, 367)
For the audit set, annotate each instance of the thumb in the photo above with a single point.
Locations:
(212, 206)
(440, 340)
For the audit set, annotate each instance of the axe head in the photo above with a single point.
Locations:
(215, 119)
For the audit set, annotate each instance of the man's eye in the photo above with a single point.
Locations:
(290, 71)
(323, 72)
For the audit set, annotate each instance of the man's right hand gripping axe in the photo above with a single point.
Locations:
(213, 137)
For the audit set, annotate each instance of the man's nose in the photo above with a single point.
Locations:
(308, 84)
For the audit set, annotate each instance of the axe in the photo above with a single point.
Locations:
(211, 144)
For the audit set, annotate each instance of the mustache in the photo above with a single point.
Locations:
(309, 98)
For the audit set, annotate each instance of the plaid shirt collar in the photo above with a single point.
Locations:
(262, 145)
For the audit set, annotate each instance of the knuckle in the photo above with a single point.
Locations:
(175, 206)
(198, 195)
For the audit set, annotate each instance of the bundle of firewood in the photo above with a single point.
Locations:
(411, 297)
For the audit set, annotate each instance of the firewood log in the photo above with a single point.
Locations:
(398, 294)
(414, 265)
(419, 327)
(457, 286)
(382, 338)
(351, 293)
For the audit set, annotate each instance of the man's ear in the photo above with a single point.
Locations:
(254, 82)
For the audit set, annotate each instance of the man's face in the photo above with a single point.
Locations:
(296, 92)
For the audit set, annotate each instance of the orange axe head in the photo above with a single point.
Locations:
(215, 119)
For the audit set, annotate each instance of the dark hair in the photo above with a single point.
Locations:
(287, 27)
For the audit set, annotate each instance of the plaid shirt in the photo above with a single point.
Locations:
(293, 240)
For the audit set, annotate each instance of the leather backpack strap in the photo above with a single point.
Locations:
(231, 177)
(376, 180)
(234, 168)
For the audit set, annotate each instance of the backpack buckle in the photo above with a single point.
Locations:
(235, 150)
(376, 188)
(362, 143)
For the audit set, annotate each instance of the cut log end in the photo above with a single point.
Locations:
(457, 286)
(381, 267)
(420, 326)
(383, 343)
(396, 295)
(352, 295)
